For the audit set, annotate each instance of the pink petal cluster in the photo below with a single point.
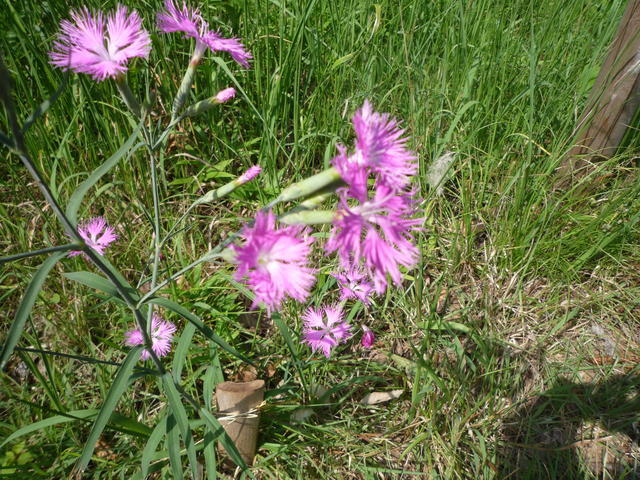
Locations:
(380, 149)
(325, 328)
(373, 234)
(89, 45)
(225, 95)
(354, 284)
(161, 337)
(368, 338)
(97, 234)
(249, 175)
(273, 262)
(376, 235)
(188, 21)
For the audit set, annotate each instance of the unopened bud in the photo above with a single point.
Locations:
(368, 338)
(225, 95)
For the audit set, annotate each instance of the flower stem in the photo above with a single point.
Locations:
(128, 97)
(187, 81)
(42, 251)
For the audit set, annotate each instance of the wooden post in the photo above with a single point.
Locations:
(613, 101)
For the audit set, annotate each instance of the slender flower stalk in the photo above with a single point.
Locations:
(325, 328)
(127, 96)
(98, 46)
(273, 262)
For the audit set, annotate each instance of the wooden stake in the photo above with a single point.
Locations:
(613, 101)
(238, 402)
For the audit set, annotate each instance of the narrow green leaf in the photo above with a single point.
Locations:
(173, 448)
(212, 377)
(29, 298)
(98, 282)
(218, 432)
(206, 331)
(182, 349)
(129, 425)
(152, 444)
(95, 281)
(78, 195)
(119, 385)
(209, 451)
(72, 416)
(180, 414)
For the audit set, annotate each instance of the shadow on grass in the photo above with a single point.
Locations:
(575, 431)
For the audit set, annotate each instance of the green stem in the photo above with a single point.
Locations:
(128, 97)
(156, 230)
(42, 251)
(187, 81)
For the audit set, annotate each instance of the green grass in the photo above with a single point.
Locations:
(492, 338)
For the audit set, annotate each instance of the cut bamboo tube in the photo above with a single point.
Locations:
(237, 403)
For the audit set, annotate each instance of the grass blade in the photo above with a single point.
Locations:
(78, 195)
(119, 385)
(209, 451)
(206, 331)
(173, 448)
(212, 377)
(152, 444)
(72, 416)
(29, 298)
(218, 432)
(180, 414)
(182, 349)
(98, 282)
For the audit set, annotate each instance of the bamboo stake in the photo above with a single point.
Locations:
(238, 402)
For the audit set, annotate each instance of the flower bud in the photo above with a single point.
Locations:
(225, 95)
(368, 338)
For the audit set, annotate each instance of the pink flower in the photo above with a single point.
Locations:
(97, 234)
(353, 284)
(225, 95)
(188, 21)
(84, 46)
(376, 233)
(380, 149)
(249, 175)
(325, 328)
(161, 337)
(273, 262)
(368, 338)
